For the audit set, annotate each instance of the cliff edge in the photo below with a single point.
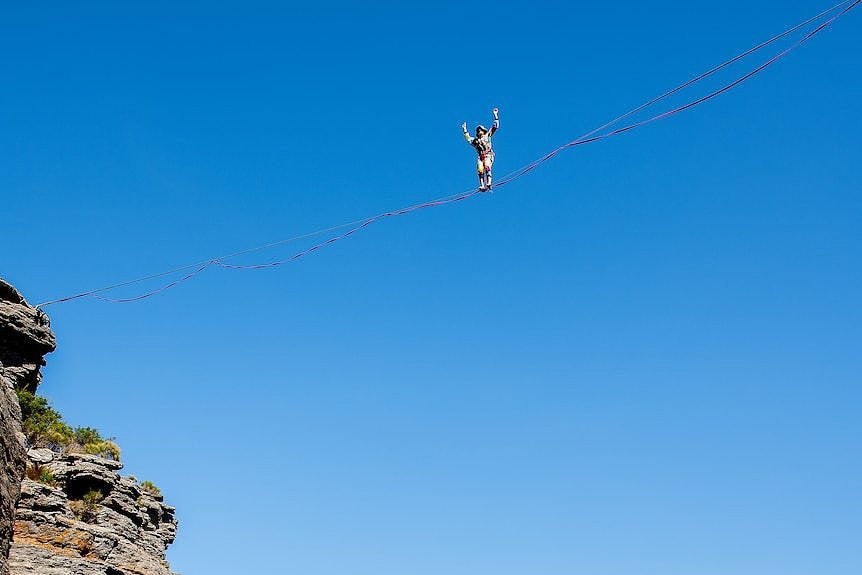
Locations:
(63, 511)
(25, 338)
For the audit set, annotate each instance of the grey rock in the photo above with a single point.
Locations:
(25, 337)
(40, 456)
(127, 532)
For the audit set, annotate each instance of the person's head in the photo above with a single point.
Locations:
(481, 130)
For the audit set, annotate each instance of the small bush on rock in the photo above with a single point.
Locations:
(41, 474)
(85, 435)
(105, 448)
(151, 488)
(87, 508)
(42, 424)
(44, 427)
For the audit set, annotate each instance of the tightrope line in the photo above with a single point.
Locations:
(587, 138)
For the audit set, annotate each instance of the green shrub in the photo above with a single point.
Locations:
(44, 427)
(151, 488)
(87, 508)
(57, 437)
(85, 435)
(42, 474)
(104, 448)
(33, 407)
(89, 440)
(93, 497)
(42, 424)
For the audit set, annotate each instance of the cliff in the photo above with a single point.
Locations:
(81, 517)
(91, 522)
(25, 338)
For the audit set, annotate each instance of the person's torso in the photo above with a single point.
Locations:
(483, 144)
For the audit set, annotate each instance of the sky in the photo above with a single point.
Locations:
(643, 357)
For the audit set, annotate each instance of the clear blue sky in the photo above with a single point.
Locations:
(643, 358)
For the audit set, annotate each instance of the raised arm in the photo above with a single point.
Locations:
(496, 125)
(467, 135)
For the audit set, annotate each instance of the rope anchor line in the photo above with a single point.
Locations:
(592, 136)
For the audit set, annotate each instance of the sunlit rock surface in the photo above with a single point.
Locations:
(126, 532)
(25, 337)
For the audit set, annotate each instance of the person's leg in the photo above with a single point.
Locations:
(489, 163)
(480, 167)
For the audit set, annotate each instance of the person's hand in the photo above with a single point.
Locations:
(464, 126)
(496, 112)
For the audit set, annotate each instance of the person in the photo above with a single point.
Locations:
(482, 144)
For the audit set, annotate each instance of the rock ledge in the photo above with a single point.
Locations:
(125, 533)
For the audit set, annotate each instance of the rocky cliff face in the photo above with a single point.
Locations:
(92, 522)
(83, 518)
(25, 338)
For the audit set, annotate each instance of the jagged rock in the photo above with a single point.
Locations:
(11, 465)
(40, 456)
(125, 533)
(25, 337)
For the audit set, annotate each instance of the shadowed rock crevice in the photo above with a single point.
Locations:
(77, 487)
(10, 294)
